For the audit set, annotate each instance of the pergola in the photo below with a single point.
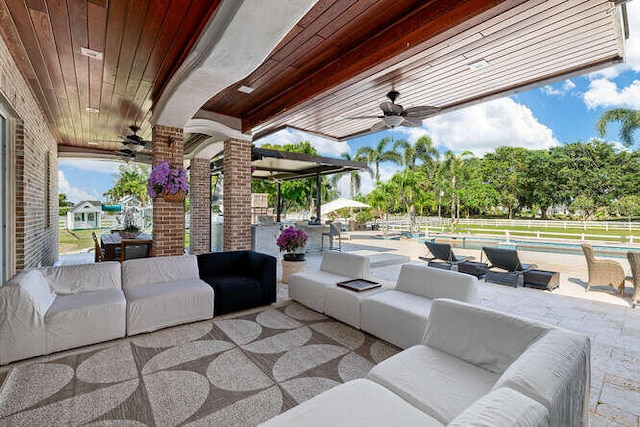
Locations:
(278, 166)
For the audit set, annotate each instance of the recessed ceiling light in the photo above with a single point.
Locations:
(245, 89)
(91, 53)
(478, 65)
(91, 110)
(92, 143)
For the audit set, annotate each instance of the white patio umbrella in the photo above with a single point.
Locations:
(341, 203)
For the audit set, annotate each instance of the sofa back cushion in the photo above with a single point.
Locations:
(483, 337)
(71, 279)
(554, 371)
(503, 408)
(348, 265)
(29, 288)
(230, 263)
(418, 279)
(145, 271)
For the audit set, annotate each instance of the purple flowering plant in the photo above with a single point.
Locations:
(290, 240)
(166, 179)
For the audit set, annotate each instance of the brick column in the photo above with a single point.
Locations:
(200, 194)
(237, 195)
(168, 218)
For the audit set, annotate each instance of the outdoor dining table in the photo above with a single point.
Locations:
(111, 241)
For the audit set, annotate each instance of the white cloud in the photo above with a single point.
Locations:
(483, 127)
(367, 182)
(605, 93)
(95, 166)
(75, 194)
(325, 147)
(566, 86)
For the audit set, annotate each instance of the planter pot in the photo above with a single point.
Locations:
(297, 257)
(128, 234)
(291, 267)
(175, 198)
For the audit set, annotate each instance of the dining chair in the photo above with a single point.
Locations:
(99, 254)
(135, 248)
(603, 272)
(335, 229)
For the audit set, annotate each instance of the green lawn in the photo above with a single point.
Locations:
(525, 231)
(75, 241)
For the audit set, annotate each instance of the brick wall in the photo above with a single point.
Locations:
(168, 218)
(200, 193)
(237, 195)
(35, 166)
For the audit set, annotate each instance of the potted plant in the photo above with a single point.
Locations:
(131, 229)
(168, 181)
(291, 241)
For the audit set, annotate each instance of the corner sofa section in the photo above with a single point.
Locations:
(475, 366)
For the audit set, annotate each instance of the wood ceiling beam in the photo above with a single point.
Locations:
(427, 25)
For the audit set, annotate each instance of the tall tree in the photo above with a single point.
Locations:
(629, 122)
(422, 150)
(452, 168)
(378, 155)
(503, 170)
(355, 180)
(130, 180)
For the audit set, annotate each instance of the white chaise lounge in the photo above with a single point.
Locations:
(475, 367)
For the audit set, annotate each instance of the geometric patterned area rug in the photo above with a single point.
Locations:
(231, 372)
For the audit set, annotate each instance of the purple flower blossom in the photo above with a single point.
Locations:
(166, 179)
(291, 240)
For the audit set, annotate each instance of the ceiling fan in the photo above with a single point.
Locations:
(133, 142)
(395, 115)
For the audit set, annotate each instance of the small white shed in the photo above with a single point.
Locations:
(85, 215)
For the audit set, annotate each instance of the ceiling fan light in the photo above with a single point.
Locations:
(138, 147)
(392, 121)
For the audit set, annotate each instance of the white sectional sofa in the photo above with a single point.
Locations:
(309, 287)
(475, 367)
(163, 292)
(399, 316)
(57, 308)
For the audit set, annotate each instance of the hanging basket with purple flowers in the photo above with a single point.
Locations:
(168, 181)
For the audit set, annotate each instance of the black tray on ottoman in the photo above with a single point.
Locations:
(542, 279)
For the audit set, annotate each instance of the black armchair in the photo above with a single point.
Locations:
(240, 279)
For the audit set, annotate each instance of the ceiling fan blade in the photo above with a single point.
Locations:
(411, 123)
(389, 107)
(363, 117)
(379, 126)
(421, 112)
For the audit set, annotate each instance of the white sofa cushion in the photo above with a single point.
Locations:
(429, 282)
(438, 384)
(503, 408)
(146, 271)
(85, 318)
(357, 403)
(308, 287)
(397, 317)
(554, 371)
(161, 305)
(71, 279)
(347, 265)
(22, 329)
(483, 337)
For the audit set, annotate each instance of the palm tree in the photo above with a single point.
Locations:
(355, 181)
(453, 164)
(378, 155)
(423, 150)
(629, 119)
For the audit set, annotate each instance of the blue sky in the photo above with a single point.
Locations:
(540, 118)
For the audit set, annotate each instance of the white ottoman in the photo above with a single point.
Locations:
(344, 304)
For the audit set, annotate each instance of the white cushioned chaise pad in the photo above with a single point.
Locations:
(161, 305)
(503, 408)
(357, 403)
(85, 318)
(440, 385)
(397, 317)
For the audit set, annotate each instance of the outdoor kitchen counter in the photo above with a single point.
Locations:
(263, 237)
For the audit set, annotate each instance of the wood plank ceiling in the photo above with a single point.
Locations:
(344, 56)
(142, 43)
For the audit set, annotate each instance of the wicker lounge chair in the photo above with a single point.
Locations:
(505, 267)
(442, 252)
(634, 262)
(603, 272)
